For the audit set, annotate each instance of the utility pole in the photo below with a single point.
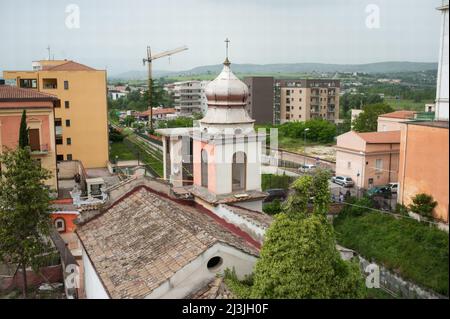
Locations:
(149, 60)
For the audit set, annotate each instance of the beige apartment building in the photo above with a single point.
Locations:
(302, 100)
(81, 122)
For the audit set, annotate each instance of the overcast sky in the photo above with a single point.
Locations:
(114, 34)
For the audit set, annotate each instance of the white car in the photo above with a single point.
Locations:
(393, 187)
(307, 168)
(343, 181)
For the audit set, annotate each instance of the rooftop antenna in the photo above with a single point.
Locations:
(48, 49)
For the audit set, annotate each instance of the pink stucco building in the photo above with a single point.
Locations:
(393, 121)
(370, 159)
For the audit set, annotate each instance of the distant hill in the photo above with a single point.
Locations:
(381, 67)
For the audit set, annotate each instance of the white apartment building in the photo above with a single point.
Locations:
(189, 96)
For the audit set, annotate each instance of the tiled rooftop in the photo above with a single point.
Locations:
(380, 137)
(12, 93)
(144, 238)
(69, 66)
(403, 114)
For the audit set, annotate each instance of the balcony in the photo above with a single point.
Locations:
(50, 84)
(58, 130)
(42, 149)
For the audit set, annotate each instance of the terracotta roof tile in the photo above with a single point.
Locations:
(13, 93)
(380, 137)
(142, 240)
(158, 111)
(69, 66)
(403, 114)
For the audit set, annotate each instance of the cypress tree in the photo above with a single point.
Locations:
(23, 133)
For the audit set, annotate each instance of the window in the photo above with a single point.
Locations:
(69, 157)
(214, 263)
(69, 141)
(239, 171)
(67, 123)
(379, 165)
(60, 157)
(50, 84)
(204, 168)
(60, 225)
(66, 85)
(67, 104)
(28, 83)
(288, 92)
(59, 140)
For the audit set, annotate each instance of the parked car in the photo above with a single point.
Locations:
(343, 181)
(276, 193)
(383, 191)
(393, 187)
(307, 168)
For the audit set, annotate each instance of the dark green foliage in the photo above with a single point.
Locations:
(367, 121)
(115, 136)
(320, 131)
(423, 204)
(181, 121)
(299, 258)
(240, 288)
(24, 209)
(23, 132)
(357, 101)
(269, 181)
(401, 209)
(272, 208)
(416, 251)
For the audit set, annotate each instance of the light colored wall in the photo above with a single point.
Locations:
(93, 287)
(354, 156)
(424, 158)
(41, 119)
(87, 95)
(196, 274)
(442, 107)
(389, 124)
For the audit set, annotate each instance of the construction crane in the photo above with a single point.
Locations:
(149, 60)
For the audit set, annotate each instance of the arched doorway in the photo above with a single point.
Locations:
(204, 168)
(239, 171)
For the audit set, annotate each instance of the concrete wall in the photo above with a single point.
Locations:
(260, 100)
(389, 124)
(424, 158)
(93, 287)
(196, 274)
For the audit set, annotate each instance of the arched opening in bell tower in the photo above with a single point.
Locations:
(239, 171)
(204, 168)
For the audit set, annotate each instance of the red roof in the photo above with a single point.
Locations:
(69, 66)
(380, 137)
(12, 93)
(403, 114)
(158, 112)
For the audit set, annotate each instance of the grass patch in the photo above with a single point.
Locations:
(416, 251)
(122, 151)
(269, 181)
(406, 104)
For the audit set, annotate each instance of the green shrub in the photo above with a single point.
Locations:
(416, 251)
(272, 208)
(241, 289)
(423, 204)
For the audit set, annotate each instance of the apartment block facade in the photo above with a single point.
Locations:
(189, 96)
(303, 100)
(81, 123)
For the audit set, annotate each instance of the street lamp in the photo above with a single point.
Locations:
(304, 145)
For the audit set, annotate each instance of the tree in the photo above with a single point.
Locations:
(423, 204)
(23, 132)
(299, 258)
(367, 121)
(24, 211)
